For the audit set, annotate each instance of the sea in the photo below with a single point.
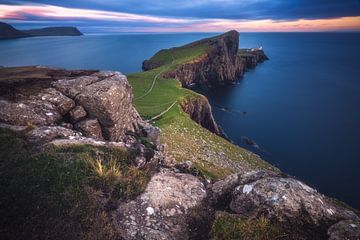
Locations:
(300, 109)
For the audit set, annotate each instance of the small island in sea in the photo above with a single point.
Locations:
(9, 32)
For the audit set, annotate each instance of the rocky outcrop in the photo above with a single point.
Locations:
(9, 32)
(199, 110)
(161, 211)
(285, 200)
(96, 104)
(222, 63)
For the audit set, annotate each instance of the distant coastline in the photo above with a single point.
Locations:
(9, 32)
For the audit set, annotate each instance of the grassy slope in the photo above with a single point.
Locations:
(61, 193)
(185, 139)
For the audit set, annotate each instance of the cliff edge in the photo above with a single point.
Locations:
(219, 61)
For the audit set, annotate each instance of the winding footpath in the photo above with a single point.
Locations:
(154, 81)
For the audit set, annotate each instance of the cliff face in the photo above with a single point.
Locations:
(199, 110)
(222, 63)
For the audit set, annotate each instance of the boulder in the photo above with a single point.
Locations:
(110, 101)
(77, 114)
(286, 200)
(161, 211)
(29, 112)
(90, 128)
(345, 230)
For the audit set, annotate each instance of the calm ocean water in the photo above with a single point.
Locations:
(302, 107)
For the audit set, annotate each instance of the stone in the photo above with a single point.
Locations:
(161, 211)
(73, 87)
(29, 112)
(106, 96)
(77, 114)
(46, 134)
(346, 229)
(285, 200)
(79, 141)
(90, 128)
(221, 190)
(62, 102)
(14, 128)
(151, 132)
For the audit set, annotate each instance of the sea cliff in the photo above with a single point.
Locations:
(221, 63)
(88, 154)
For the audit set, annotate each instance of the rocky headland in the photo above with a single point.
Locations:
(79, 162)
(221, 63)
(9, 32)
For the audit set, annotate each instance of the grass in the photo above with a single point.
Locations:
(186, 140)
(63, 193)
(229, 227)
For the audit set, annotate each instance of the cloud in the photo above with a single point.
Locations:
(123, 21)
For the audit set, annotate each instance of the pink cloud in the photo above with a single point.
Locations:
(48, 12)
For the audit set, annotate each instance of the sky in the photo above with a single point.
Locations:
(185, 15)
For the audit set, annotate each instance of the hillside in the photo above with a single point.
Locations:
(214, 155)
(9, 32)
(54, 31)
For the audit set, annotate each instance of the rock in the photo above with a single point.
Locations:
(66, 125)
(110, 101)
(29, 112)
(151, 132)
(79, 141)
(77, 114)
(90, 128)
(106, 96)
(161, 211)
(73, 87)
(285, 200)
(48, 133)
(221, 191)
(345, 230)
(199, 110)
(14, 128)
(223, 62)
(63, 103)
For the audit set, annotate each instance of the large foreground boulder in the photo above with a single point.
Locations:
(285, 200)
(161, 211)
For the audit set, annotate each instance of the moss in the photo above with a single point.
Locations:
(61, 193)
(226, 227)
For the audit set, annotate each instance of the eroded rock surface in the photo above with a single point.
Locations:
(161, 211)
(282, 199)
(223, 62)
(102, 99)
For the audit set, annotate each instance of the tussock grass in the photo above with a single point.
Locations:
(63, 193)
(228, 227)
